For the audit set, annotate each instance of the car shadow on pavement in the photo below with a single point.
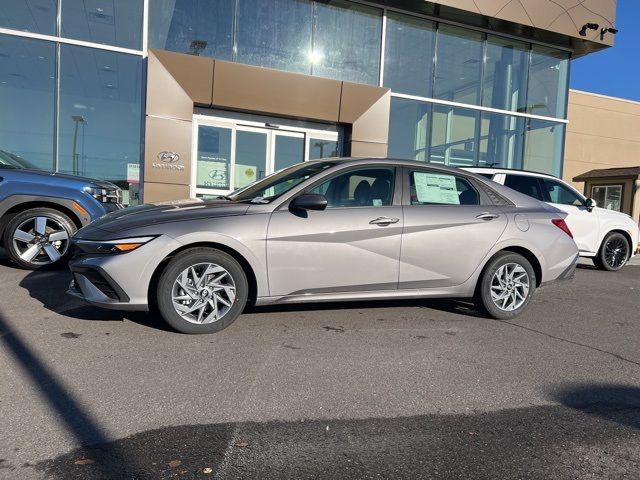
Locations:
(50, 286)
(602, 400)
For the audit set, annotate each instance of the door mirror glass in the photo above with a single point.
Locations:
(590, 203)
(309, 201)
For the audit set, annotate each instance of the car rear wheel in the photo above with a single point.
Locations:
(613, 253)
(202, 290)
(38, 238)
(506, 286)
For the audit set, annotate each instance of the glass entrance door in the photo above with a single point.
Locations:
(229, 155)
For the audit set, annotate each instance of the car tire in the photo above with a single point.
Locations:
(201, 290)
(613, 253)
(506, 286)
(39, 238)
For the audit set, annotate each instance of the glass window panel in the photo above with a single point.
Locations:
(275, 34)
(436, 188)
(561, 194)
(409, 129)
(370, 187)
(100, 116)
(288, 151)
(251, 158)
(192, 26)
(27, 86)
(347, 41)
(458, 65)
(526, 185)
(409, 51)
(453, 136)
(322, 148)
(118, 22)
(609, 196)
(505, 74)
(548, 76)
(501, 138)
(543, 144)
(214, 157)
(38, 16)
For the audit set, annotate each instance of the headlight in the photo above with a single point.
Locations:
(122, 245)
(105, 195)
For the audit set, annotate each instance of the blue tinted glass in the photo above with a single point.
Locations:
(501, 138)
(548, 87)
(37, 16)
(275, 34)
(100, 115)
(453, 136)
(197, 27)
(347, 42)
(117, 22)
(27, 86)
(214, 157)
(458, 65)
(409, 50)
(409, 129)
(505, 74)
(288, 151)
(543, 146)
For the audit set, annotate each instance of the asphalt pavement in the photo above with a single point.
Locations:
(407, 389)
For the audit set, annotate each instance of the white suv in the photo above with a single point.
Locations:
(610, 238)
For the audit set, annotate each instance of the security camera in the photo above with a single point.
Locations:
(588, 26)
(604, 30)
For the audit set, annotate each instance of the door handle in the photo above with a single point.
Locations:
(487, 216)
(384, 221)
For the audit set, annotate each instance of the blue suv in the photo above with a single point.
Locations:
(40, 211)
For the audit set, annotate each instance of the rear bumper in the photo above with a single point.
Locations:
(566, 275)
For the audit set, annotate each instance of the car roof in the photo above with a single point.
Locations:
(387, 161)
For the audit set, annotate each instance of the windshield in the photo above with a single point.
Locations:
(13, 161)
(271, 187)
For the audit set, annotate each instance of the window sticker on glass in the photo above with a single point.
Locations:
(436, 188)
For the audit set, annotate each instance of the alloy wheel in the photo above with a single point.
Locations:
(203, 293)
(615, 252)
(41, 240)
(510, 287)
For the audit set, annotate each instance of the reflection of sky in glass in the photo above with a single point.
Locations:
(38, 16)
(100, 92)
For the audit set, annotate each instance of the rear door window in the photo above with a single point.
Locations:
(525, 184)
(435, 188)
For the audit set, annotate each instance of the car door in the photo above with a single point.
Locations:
(584, 224)
(352, 245)
(449, 228)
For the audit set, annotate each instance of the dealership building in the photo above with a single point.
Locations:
(183, 98)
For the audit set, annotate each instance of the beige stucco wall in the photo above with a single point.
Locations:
(603, 132)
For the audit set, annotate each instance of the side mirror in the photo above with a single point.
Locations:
(590, 203)
(309, 201)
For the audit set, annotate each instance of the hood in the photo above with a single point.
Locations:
(159, 213)
(65, 177)
(613, 214)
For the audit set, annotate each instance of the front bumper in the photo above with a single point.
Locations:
(119, 281)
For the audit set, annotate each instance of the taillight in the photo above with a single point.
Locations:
(560, 223)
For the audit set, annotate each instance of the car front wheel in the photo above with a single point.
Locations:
(506, 286)
(613, 253)
(38, 238)
(202, 290)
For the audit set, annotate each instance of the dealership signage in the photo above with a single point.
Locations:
(168, 161)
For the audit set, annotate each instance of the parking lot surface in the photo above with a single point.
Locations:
(406, 389)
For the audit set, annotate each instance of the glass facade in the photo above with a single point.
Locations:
(459, 96)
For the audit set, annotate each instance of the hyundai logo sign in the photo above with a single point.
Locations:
(168, 157)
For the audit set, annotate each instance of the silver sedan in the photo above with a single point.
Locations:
(326, 230)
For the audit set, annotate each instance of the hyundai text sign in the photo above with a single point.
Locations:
(168, 161)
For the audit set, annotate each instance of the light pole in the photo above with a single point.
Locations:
(78, 119)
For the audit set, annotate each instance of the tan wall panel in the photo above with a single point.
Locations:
(165, 96)
(603, 132)
(162, 192)
(167, 135)
(357, 99)
(368, 149)
(193, 73)
(268, 91)
(373, 125)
